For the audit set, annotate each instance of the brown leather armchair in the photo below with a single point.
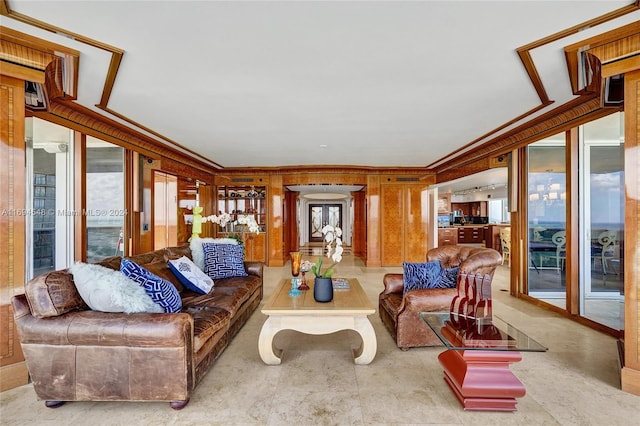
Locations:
(400, 312)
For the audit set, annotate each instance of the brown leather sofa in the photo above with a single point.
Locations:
(76, 354)
(400, 312)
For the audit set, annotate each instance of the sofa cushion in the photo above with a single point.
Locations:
(420, 275)
(112, 262)
(190, 275)
(448, 277)
(224, 260)
(207, 321)
(177, 252)
(228, 298)
(106, 290)
(197, 251)
(161, 291)
(161, 269)
(251, 282)
(53, 294)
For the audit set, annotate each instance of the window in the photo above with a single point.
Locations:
(105, 208)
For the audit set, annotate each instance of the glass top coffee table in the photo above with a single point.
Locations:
(479, 353)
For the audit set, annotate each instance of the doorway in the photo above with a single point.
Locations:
(321, 215)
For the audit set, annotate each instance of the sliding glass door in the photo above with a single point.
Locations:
(547, 223)
(602, 196)
(600, 226)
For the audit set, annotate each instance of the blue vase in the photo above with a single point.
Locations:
(323, 290)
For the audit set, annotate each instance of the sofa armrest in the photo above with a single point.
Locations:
(482, 262)
(430, 299)
(254, 268)
(393, 283)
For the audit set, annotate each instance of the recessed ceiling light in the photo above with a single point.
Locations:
(323, 146)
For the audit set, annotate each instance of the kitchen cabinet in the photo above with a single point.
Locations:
(472, 208)
(447, 237)
(471, 235)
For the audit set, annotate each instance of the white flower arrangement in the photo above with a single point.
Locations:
(248, 220)
(221, 220)
(332, 235)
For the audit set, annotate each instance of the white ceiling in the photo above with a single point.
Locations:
(280, 83)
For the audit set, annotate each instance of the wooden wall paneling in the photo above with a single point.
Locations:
(290, 222)
(572, 272)
(165, 210)
(79, 202)
(146, 212)
(186, 193)
(392, 224)
(13, 370)
(208, 199)
(255, 247)
(518, 259)
(134, 174)
(275, 227)
(130, 198)
(373, 221)
(159, 212)
(630, 374)
(359, 232)
(416, 208)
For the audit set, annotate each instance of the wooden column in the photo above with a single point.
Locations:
(630, 375)
(275, 223)
(403, 223)
(13, 370)
(373, 221)
(359, 232)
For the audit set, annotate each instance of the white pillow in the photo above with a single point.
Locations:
(197, 253)
(190, 276)
(106, 290)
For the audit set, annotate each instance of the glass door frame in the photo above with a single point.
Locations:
(585, 223)
(608, 313)
(65, 211)
(528, 254)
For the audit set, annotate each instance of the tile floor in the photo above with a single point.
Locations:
(575, 383)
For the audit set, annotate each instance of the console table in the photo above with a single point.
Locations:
(479, 353)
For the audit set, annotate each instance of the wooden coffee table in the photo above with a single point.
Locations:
(347, 311)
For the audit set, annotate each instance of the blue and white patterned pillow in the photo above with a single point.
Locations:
(190, 275)
(448, 278)
(223, 260)
(197, 252)
(420, 275)
(161, 291)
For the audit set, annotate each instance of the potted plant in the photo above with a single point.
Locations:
(323, 286)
